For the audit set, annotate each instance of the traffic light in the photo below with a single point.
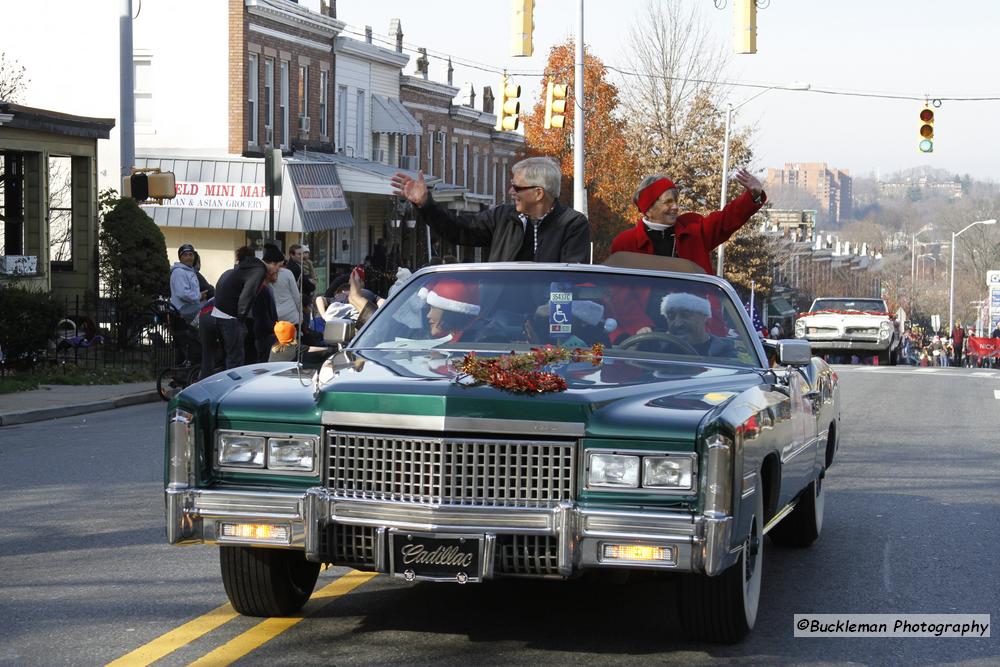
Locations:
(555, 105)
(926, 130)
(522, 26)
(149, 184)
(510, 108)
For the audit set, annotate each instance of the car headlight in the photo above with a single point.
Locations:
(291, 453)
(885, 329)
(614, 471)
(667, 472)
(800, 328)
(240, 450)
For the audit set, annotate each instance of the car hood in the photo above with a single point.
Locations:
(617, 397)
(836, 318)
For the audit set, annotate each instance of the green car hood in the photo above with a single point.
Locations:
(616, 398)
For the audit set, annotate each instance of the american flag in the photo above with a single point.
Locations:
(755, 318)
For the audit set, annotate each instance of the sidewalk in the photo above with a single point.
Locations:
(59, 400)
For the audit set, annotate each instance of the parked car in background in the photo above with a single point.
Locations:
(850, 326)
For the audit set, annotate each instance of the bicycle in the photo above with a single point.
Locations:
(186, 370)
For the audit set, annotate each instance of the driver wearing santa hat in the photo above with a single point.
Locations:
(687, 316)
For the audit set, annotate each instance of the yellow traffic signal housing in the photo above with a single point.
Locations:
(555, 105)
(510, 108)
(745, 26)
(145, 184)
(522, 27)
(926, 144)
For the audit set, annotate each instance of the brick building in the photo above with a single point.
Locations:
(833, 188)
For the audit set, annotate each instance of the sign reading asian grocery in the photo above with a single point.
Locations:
(231, 196)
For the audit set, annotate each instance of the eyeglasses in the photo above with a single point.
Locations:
(522, 188)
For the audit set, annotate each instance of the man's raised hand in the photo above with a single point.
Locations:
(750, 182)
(413, 190)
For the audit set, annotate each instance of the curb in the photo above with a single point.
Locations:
(43, 414)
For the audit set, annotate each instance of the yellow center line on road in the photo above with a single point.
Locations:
(173, 640)
(268, 629)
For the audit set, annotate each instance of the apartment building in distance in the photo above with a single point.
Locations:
(832, 188)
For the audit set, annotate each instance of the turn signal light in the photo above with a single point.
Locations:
(258, 532)
(637, 552)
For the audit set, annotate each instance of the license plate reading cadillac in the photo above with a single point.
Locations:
(437, 558)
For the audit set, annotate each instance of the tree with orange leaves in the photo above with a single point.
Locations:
(610, 168)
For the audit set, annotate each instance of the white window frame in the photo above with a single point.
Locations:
(142, 60)
(430, 154)
(341, 118)
(324, 83)
(286, 143)
(454, 162)
(269, 96)
(475, 172)
(359, 116)
(418, 140)
(253, 81)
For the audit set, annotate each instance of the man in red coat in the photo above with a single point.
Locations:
(663, 230)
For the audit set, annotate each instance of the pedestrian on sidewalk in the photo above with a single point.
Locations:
(537, 227)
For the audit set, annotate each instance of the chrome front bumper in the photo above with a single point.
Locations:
(849, 344)
(699, 543)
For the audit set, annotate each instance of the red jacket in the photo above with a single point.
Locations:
(695, 237)
(696, 234)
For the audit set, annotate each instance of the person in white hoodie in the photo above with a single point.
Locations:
(185, 292)
(287, 301)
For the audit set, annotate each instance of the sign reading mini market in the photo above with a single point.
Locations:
(232, 196)
(322, 197)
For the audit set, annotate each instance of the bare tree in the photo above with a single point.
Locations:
(675, 120)
(13, 79)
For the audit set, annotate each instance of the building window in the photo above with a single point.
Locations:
(304, 100)
(341, 117)
(442, 137)
(252, 82)
(493, 179)
(430, 154)
(475, 172)
(142, 82)
(323, 92)
(376, 150)
(60, 205)
(360, 120)
(269, 101)
(285, 143)
(454, 163)
(416, 160)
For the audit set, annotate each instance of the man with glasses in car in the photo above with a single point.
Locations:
(536, 227)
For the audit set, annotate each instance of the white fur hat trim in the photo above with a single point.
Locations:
(686, 302)
(444, 303)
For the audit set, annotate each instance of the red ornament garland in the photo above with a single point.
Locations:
(521, 373)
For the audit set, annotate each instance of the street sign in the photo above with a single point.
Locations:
(992, 278)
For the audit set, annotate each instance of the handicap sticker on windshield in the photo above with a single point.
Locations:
(560, 308)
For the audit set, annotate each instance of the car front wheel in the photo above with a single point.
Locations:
(267, 582)
(723, 609)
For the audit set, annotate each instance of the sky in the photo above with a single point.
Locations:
(912, 48)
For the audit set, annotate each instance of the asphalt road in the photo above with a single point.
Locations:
(912, 526)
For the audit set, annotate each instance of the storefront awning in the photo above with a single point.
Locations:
(228, 193)
(389, 115)
(359, 175)
(782, 306)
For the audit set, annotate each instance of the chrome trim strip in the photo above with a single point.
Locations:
(407, 516)
(381, 540)
(620, 524)
(799, 450)
(442, 423)
(778, 516)
(749, 485)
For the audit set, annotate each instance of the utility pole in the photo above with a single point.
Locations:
(579, 193)
(126, 89)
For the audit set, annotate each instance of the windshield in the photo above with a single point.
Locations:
(500, 310)
(858, 305)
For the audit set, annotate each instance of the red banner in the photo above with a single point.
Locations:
(983, 347)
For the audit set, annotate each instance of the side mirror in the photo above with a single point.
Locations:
(338, 331)
(794, 352)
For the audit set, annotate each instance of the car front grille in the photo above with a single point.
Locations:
(463, 471)
(527, 555)
(861, 331)
(351, 545)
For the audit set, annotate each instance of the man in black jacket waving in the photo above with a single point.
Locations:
(535, 228)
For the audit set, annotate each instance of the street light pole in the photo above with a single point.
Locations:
(720, 263)
(951, 289)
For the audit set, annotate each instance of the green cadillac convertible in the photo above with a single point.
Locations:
(515, 420)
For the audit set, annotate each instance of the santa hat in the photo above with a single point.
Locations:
(452, 295)
(685, 301)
